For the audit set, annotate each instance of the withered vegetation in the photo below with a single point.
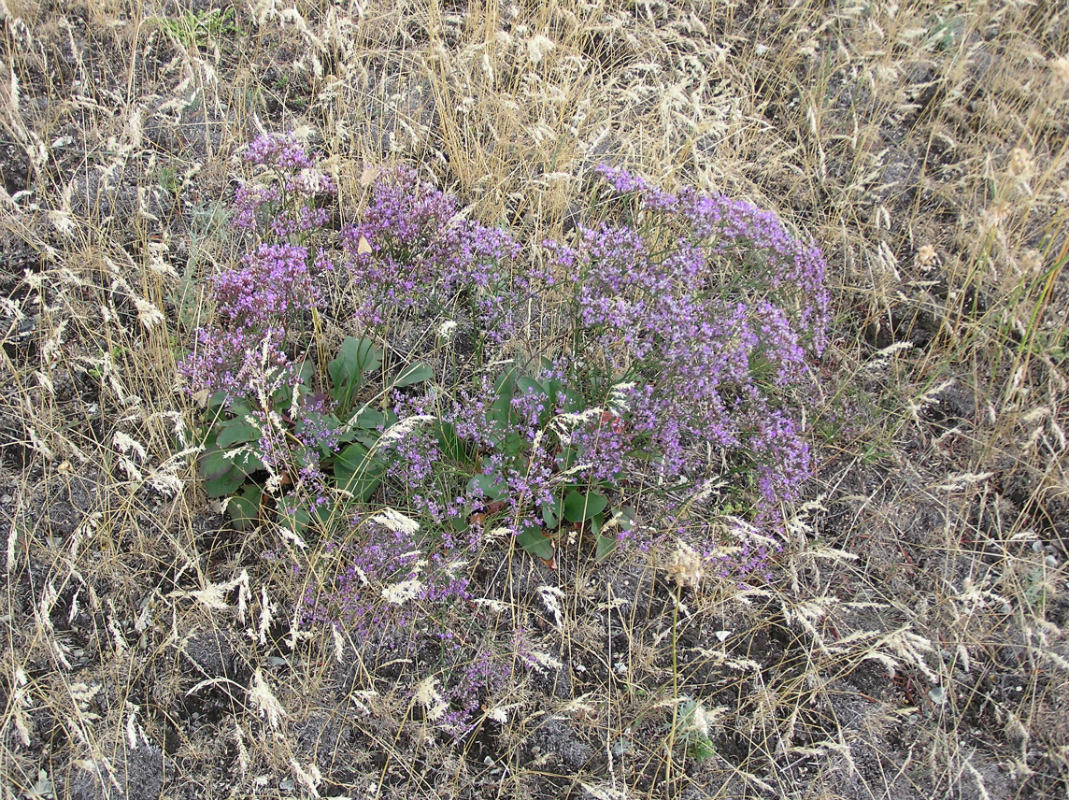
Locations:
(911, 640)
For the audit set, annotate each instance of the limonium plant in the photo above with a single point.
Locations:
(679, 330)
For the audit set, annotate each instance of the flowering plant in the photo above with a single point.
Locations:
(681, 330)
(688, 319)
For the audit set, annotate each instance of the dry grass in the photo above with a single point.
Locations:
(912, 641)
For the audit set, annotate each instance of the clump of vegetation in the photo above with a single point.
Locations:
(683, 327)
(416, 454)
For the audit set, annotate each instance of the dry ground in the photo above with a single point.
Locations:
(912, 641)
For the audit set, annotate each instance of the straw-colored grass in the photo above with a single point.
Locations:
(912, 639)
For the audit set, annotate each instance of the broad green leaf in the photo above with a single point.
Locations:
(567, 457)
(236, 431)
(293, 514)
(530, 385)
(580, 506)
(355, 358)
(244, 509)
(535, 542)
(501, 408)
(572, 402)
(489, 485)
(248, 461)
(513, 446)
(551, 512)
(625, 518)
(215, 464)
(369, 419)
(369, 440)
(348, 462)
(605, 546)
(357, 472)
(324, 515)
(412, 374)
(283, 395)
(222, 485)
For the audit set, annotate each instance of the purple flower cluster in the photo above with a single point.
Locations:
(709, 307)
(258, 302)
(474, 670)
(379, 596)
(413, 253)
(387, 555)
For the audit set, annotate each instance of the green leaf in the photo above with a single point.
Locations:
(535, 542)
(214, 464)
(293, 514)
(325, 514)
(412, 374)
(220, 484)
(572, 401)
(369, 440)
(530, 385)
(244, 509)
(501, 408)
(248, 461)
(489, 485)
(216, 401)
(355, 358)
(357, 472)
(551, 512)
(224, 484)
(236, 431)
(605, 546)
(451, 445)
(579, 506)
(701, 748)
(567, 457)
(625, 518)
(595, 504)
(370, 419)
(349, 460)
(513, 446)
(282, 397)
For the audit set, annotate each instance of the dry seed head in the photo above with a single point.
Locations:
(399, 593)
(265, 701)
(686, 568)
(1021, 163)
(446, 330)
(995, 215)
(427, 696)
(401, 429)
(926, 257)
(396, 522)
(1060, 68)
(1030, 261)
(543, 661)
(538, 47)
